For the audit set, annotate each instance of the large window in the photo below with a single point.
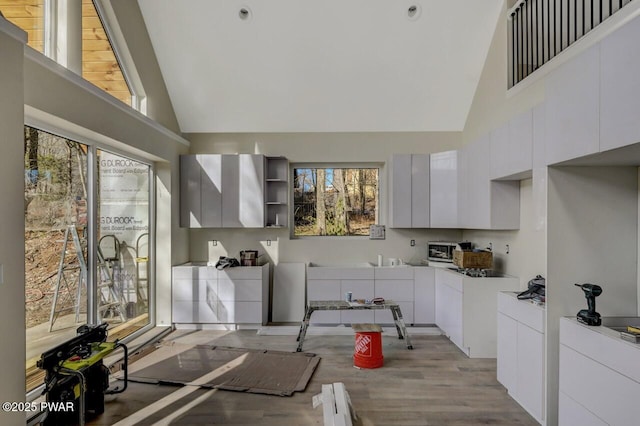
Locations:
(58, 226)
(99, 63)
(334, 200)
(28, 15)
(51, 28)
(55, 242)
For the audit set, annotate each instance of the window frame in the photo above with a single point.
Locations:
(380, 216)
(75, 134)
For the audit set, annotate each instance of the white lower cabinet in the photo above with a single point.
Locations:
(466, 310)
(413, 293)
(204, 295)
(449, 313)
(599, 379)
(319, 289)
(424, 292)
(521, 354)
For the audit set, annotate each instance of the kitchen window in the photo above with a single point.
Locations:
(335, 200)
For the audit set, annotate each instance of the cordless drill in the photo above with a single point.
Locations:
(590, 316)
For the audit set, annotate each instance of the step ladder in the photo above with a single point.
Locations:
(66, 298)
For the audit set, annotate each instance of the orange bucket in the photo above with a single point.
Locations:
(368, 350)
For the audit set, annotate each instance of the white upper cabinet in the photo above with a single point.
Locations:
(539, 132)
(243, 191)
(409, 191)
(222, 191)
(211, 190)
(400, 191)
(620, 87)
(482, 203)
(443, 181)
(572, 113)
(512, 148)
(420, 191)
(200, 191)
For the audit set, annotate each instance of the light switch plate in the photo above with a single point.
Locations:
(376, 232)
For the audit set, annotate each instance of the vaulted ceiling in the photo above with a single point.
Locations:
(321, 65)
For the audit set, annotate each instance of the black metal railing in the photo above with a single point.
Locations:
(540, 29)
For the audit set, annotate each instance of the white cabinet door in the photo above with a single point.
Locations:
(620, 87)
(324, 290)
(443, 189)
(210, 190)
(507, 352)
(190, 212)
(530, 371)
(520, 152)
(572, 113)
(478, 195)
(420, 191)
(243, 191)
(400, 191)
(424, 307)
(512, 148)
(449, 306)
(485, 204)
(500, 152)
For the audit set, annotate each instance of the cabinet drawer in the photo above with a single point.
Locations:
(193, 312)
(328, 273)
(241, 273)
(399, 273)
(324, 290)
(396, 290)
(195, 272)
(241, 290)
(361, 289)
(240, 312)
(192, 290)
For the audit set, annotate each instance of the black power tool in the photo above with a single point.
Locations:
(590, 316)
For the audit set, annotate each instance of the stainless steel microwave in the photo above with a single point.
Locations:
(440, 251)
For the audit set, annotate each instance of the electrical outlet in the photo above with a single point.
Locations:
(413, 243)
(214, 243)
(268, 242)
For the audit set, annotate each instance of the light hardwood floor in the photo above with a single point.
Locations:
(434, 384)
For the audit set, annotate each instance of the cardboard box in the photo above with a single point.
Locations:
(473, 260)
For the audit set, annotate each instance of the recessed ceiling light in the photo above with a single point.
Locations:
(413, 12)
(244, 13)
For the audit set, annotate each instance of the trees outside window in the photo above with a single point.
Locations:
(334, 201)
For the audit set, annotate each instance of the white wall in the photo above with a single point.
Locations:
(12, 296)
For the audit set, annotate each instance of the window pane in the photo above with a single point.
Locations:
(123, 241)
(334, 201)
(55, 218)
(99, 63)
(28, 15)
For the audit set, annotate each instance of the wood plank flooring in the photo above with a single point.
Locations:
(434, 384)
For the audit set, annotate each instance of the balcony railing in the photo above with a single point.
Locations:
(540, 29)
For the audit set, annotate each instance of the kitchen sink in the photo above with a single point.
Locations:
(620, 323)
